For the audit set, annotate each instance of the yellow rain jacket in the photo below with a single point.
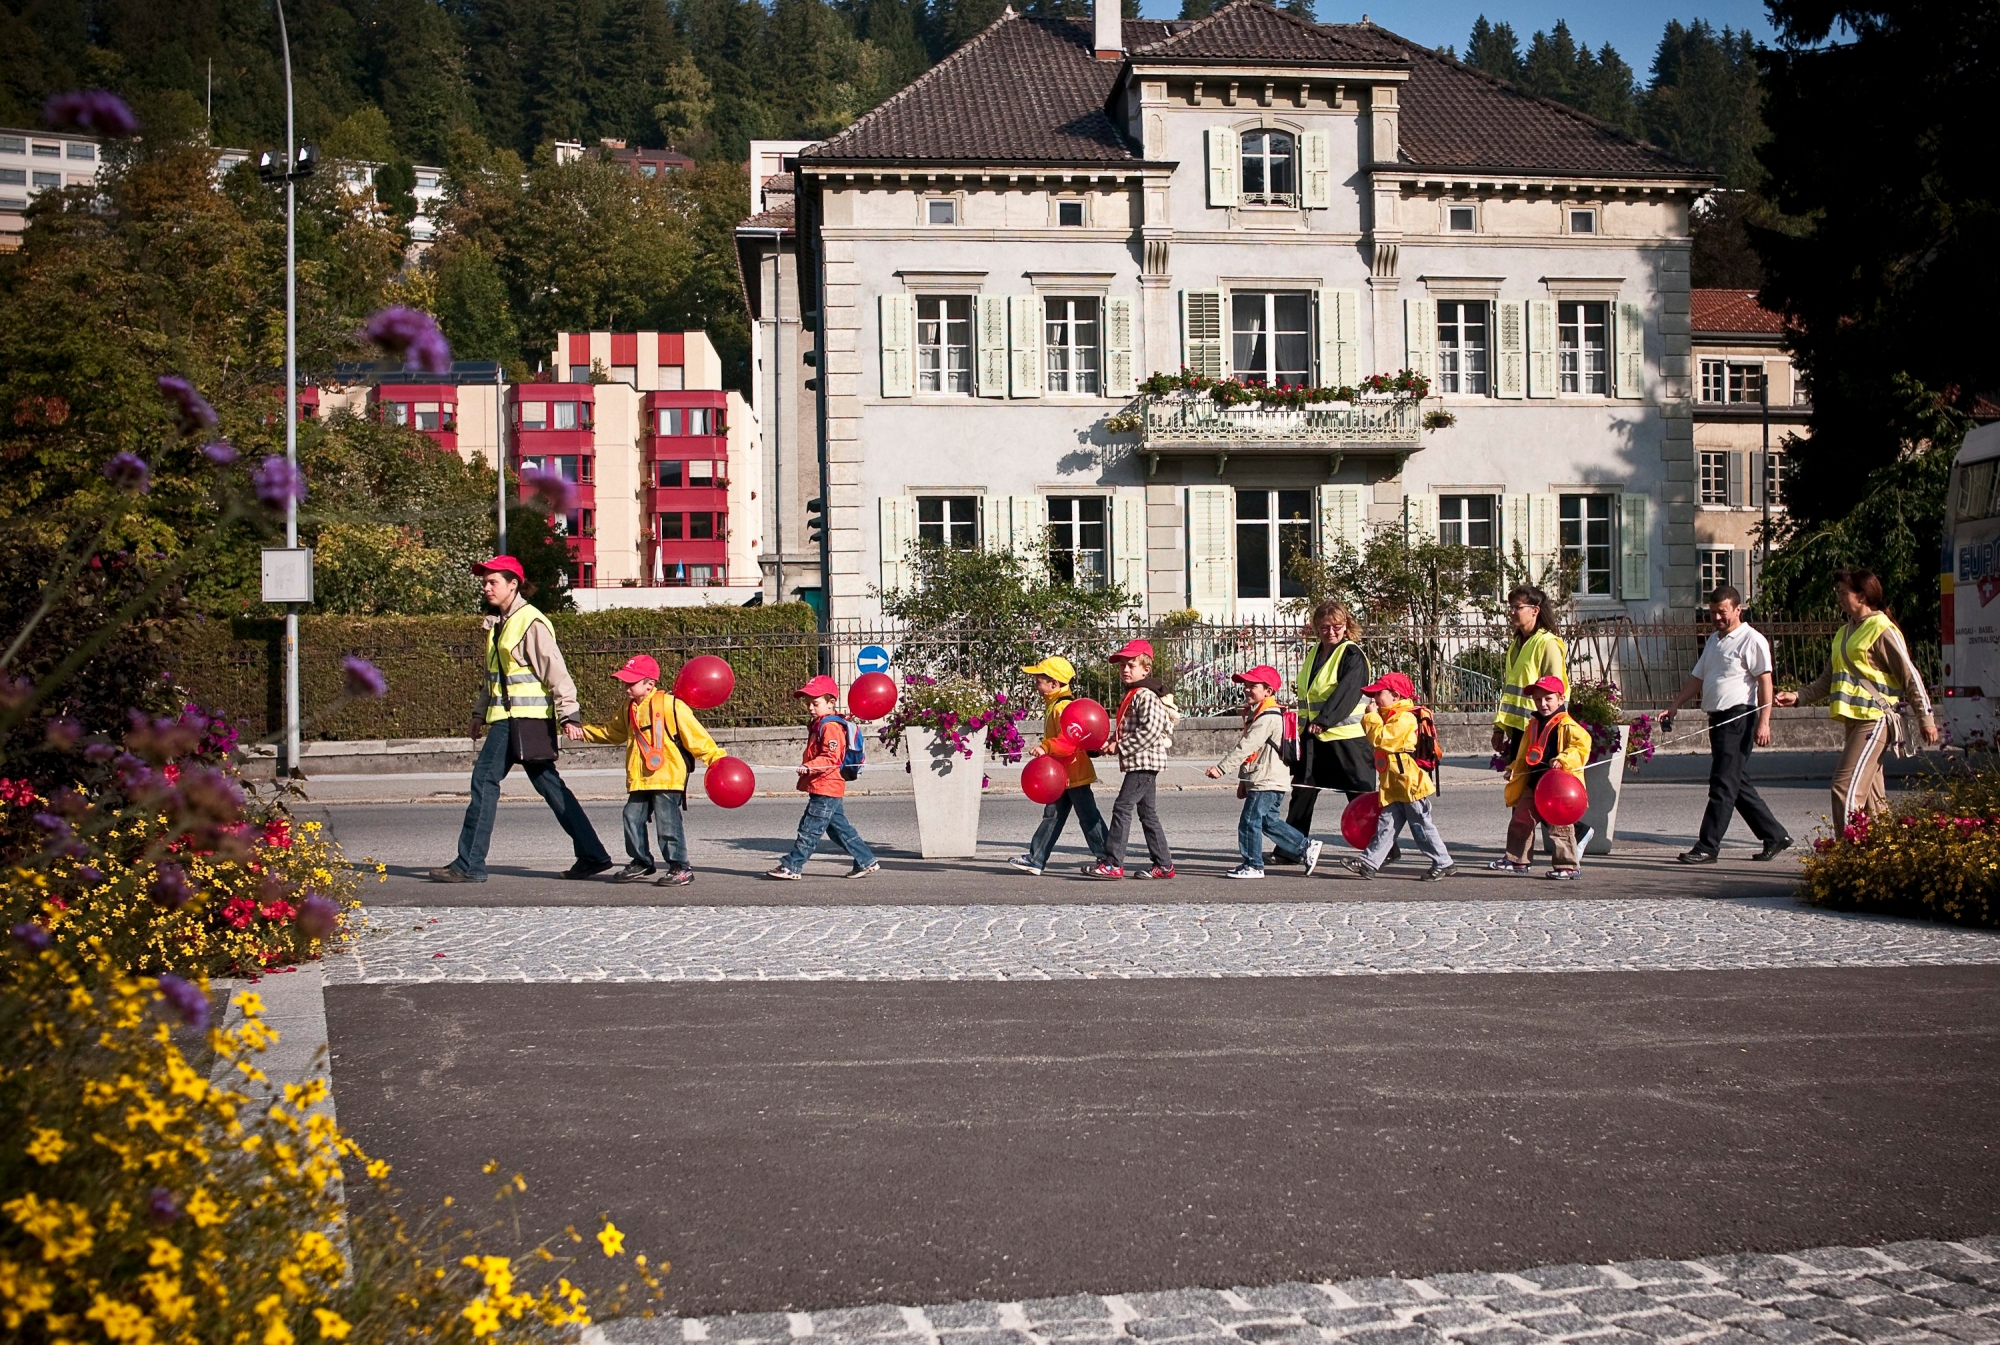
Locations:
(1393, 735)
(1567, 744)
(649, 731)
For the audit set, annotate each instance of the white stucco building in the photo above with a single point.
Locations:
(991, 262)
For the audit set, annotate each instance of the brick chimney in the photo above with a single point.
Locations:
(1110, 16)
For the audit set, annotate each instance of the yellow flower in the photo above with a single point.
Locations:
(377, 1169)
(121, 1321)
(47, 1146)
(610, 1239)
(332, 1326)
(485, 1318)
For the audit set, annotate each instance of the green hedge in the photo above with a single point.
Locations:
(434, 665)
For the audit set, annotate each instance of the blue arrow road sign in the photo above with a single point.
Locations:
(873, 658)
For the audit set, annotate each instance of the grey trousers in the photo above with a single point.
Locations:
(1138, 793)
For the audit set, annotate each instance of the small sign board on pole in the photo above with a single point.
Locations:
(288, 574)
(873, 658)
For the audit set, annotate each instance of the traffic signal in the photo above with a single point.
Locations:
(816, 521)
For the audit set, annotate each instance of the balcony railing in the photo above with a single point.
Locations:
(1193, 422)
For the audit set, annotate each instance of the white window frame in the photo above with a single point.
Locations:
(953, 207)
(946, 505)
(1082, 205)
(1706, 558)
(1713, 485)
(1268, 375)
(1276, 527)
(942, 371)
(1455, 355)
(1571, 214)
(1450, 207)
(1455, 520)
(1061, 374)
(1266, 162)
(1777, 470)
(1588, 503)
(1070, 531)
(1722, 380)
(1573, 377)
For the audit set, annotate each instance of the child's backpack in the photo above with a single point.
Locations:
(1288, 740)
(1428, 754)
(856, 756)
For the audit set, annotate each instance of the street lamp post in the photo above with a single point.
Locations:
(291, 396)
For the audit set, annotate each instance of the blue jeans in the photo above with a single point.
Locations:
(1417, 817)
(1261, 818)
(663, 808)
(489, 768)
(1079, 799)
(825, 813)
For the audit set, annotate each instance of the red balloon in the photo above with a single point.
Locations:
(1357, 823)
(729, 782)
(1560, 798)
(872, 695)
(1085, 723)
(705, 682)
(1062, 748)
(1044, 779)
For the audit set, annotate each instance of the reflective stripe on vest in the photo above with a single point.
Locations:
(1515, 707)
(1538, 739)
(1313, 686)
(1860, 690)
(651, 738)
(526, 695)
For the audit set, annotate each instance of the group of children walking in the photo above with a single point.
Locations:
(664, 739)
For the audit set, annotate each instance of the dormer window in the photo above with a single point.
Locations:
(1270, 167)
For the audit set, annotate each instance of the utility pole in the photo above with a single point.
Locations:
(291, 396)
(1764, 467)
(500, 451)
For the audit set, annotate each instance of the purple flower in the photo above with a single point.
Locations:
(548, 489)
(90, 875)
(219, 451)
(162, 1207)
(363, 678)
(190, 407)
(97, 110)
(414, 335)
(187, 999)
(129, 472)
(99, 753)
(318, 916)
(170, 887)
(63, 733)
(30, 935)
(277, 481)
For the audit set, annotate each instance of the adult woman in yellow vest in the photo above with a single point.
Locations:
(1534, 652)
(1871, 676)
(1333, 751)
(527, 693)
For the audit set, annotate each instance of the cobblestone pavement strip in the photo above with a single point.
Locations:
(949, 943)
(1905, 1293)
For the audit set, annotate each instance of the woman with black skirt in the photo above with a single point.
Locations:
(1333, 752)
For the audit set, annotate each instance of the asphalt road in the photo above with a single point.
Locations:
(804, 1146)
(732, 848)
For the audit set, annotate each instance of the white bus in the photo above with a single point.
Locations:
(1969, 594)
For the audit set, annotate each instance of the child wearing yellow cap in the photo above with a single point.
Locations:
(1052, 677)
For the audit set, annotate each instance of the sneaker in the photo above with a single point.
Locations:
(1509, 866)
(1564, 875)
(1696, 857)
(1439, 873)
(783, 874)
(1358, 869)
(1583, 841)
(1244, 871)
(1772, 849)
(451, 873)
(1312, 855)
(1157, 872)
(1103, 871)
(1026, 864)
(676, 878)
(586, 868)
(864, 870)
(634, 872)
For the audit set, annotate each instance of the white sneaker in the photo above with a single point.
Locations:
(1025, 865)
(1312, 855)
(1244, 871)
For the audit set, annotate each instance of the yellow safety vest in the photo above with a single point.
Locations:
(1515, 707)
(527, 696)
(1312, 687)
(1861, 690)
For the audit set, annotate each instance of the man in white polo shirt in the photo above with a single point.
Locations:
(1733, 679)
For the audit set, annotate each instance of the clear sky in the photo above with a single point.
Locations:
(1632, 26)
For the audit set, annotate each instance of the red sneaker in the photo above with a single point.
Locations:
(1155, 872)
(1102, 871)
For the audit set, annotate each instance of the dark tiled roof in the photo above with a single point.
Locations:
(1257, 32)
(781, 215)
(1732, 311)
(1023, 91)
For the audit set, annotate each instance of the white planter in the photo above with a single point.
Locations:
(947, 786)
(1604, 780)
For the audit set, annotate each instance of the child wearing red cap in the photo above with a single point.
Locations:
(1142, 731)
(825, 789)
(1404, 782)
(1552, 739)
(1262, 777)
(662, 741)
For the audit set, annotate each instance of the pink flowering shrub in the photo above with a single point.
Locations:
(1935, 854)
(958, 710)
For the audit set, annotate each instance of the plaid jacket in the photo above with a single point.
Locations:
(1145, 731)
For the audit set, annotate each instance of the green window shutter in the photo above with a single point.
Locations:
(1630, 352)
(1225, 151)
(899, 529)
(1541, 348)
(991, 370)
(1316, 170)
(1635, 567)
(1736, 482)
(1201, 332)
(1128, 543)
(1420, 331)
(1516, 527)
(899, 335)
(1342, 513)
(1512, 322)
(1422, 513)
(1211, 538)
(1120, 371)
(1024, 345)
(1544, 535)
(1339, 338)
